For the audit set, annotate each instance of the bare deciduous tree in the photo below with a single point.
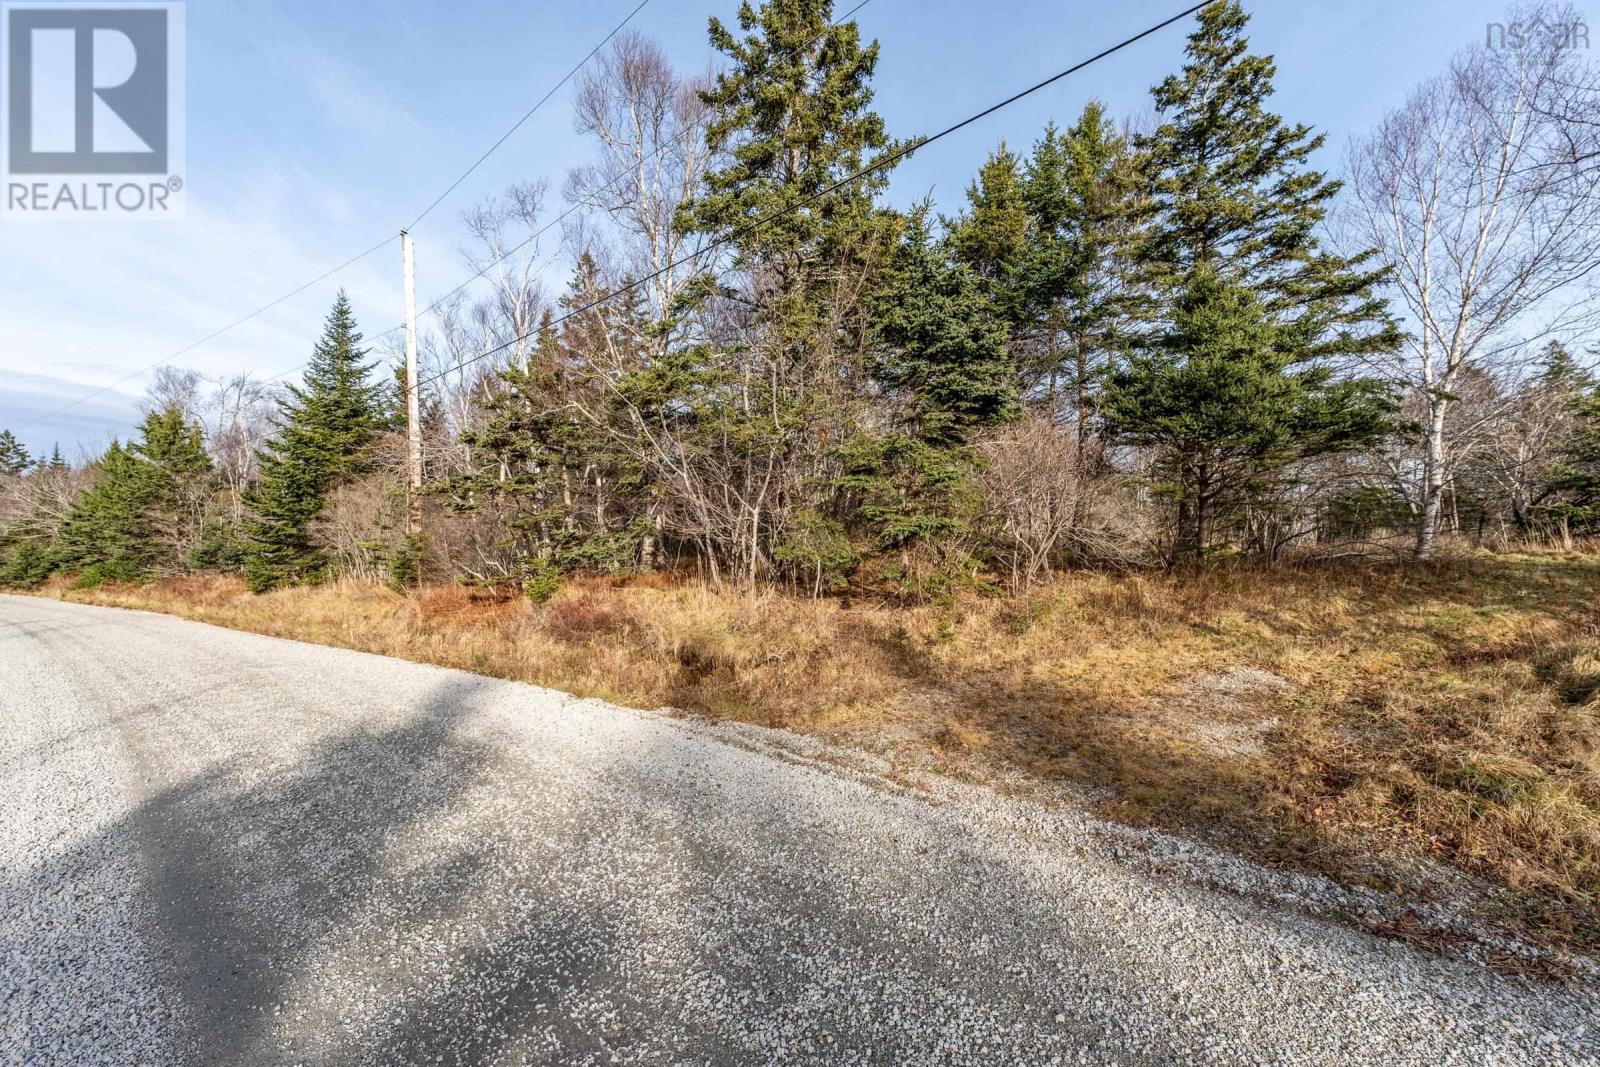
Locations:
(648, 123)
(506, 251)
(33, 506)
(237, 418)
(175, 387)
(1472, 192)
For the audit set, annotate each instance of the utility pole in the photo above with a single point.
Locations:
(413, 405)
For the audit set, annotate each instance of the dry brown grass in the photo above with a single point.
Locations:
(1448, 712)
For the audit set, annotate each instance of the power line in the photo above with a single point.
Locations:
(553, 223)
(841, 183)
(353, 260)
(518, 124)
(210, 336)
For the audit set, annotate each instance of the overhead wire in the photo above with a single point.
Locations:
(575, 207)
(568, 76)
(353, 260)
(886, 161)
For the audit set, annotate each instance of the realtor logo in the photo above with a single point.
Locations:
(92, 92)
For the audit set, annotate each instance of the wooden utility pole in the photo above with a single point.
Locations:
(413, 405)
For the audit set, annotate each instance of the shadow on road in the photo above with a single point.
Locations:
(289, 903)
(492, 879)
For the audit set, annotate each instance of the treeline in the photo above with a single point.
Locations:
(1131, 344)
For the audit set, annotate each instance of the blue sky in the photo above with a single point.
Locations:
(316, 129)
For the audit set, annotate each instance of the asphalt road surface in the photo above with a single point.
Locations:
(220, 848)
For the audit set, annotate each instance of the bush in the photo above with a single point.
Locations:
(97, 574)
(219, 549)
(541, 580)
(405, 563)
(1049, 506)
(598, 552)
(25, 565)
(818, 553)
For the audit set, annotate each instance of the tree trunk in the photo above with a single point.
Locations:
(1429, 513)
(1082, 400)
(1186, 544)
(647, 548)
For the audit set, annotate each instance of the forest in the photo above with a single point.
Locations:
(1167, 343)
(1161, 415)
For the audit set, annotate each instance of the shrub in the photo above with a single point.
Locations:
(97, 574)
(25, 566)
(405, 563)
(541, 580)
(219, 549)
(818, 553)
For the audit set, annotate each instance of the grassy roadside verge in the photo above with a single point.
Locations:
(1391, 726)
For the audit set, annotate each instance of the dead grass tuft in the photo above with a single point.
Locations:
(588, 616)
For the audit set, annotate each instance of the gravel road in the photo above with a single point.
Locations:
(220, 848)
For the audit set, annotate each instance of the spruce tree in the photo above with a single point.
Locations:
(30, 526)
(1231, 187)
(944, 364)
(1231, 245)
(326, 429)
(180, 484)
(944, 343)
(992, 238)
(1082, 194)
(793, 114)
(792, 119)
(14, 458)
(1576, 479)
(104, 534)
(145, 509)
(1223, 410)
(1050, 238)
(549, 450)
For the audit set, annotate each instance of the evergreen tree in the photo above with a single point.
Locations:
(769, 404)
(992, 238)
(56, 461)
(1231, 246)
(146, 507)
(549, 447)
(1051, 240)
(14, 458)
(1225, 412)
(30, 523)
(944, 344)
(1561, 373)
(1577, 478)
(1231, 188)
(180, 484)
(104, 534)
(793, 114)
(944, 363)
(1082, 195)
(326, 430)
